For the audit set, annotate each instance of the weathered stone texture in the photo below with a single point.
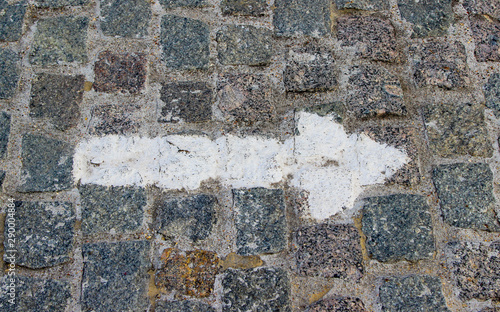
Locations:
(328, 251)
(261, 289)
(188, 101)
(2, 178)
(4, 133)
(125, 18)
(60, 40)
(429, 17)
(47, 164)
(34, 294)
(182, 306)
(243, 7)
(374, 37)
(169, 4)
(309, 69)
(57, 98)
(11, 20)
(367, 5)
(244, 45)
(457, 129)
(374, 92)
(44, 234)
(115, 276)
(465, 193)
(302, 17)
(120, 72)
(476, 269)
(185, 42)
(260, 221)
(9, 73)
(412, 293)
(486, 34)
(191, 273)
(492, 94)
(245, 97)
(59, 3)
(440, 63)
(483, 7)
(338, 304)
(192, 217)
(118, 209)
(398, 227)
(114, 119)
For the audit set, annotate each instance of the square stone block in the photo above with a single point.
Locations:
(430, 18)
(125, 18)
(9, 73)
(11, 20)
(302, 17)
(120, 72)
(244, 45)
(186, 101)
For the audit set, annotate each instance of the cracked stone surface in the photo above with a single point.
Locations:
(45, 234)
(9, 73)
(260, 221)
(429, 17)
(398, 227)
(11, 20)
(301, 17)
(244, 45)
(120, 72)
(57, 98)
(187, 101)
(329, 251)
(338, 304)
(465, 193)
(125, 18)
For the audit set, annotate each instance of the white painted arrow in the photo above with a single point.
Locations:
(323, 159)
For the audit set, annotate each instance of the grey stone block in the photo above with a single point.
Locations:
(9, 73)
(11, 20)
(338, 304)
(486, 33)
(243, 7)
(483, 7)
(429, 17)
(188, 101)
(4, 133)
(244, 45)
(55, 4)
(182, 306)
(302, 17)
(367, 5)
(115, 119)
(492, 94)
(169, 4)
(125, 18)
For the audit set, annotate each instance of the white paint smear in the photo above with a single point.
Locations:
(323, 159)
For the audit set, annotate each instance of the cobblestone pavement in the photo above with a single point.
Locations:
(418, 78)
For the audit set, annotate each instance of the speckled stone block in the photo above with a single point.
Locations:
(338, 304)
(117, 209)
(11, 20)
(457, 129)
(309, 69)
(490, 310)
(402, 138)
(4, 133)
(261, 289)
(125, 18)
(373, 36)
(302, 17)
(115, 276)
(243, 7)
(260, 221)
(440, 63)
(429, 17)
(120, 72)
(483, 7)
(191, 273)
(185, 42)
(486, 34)
(465, 193)
(367, 5)
(412, 293)
(35, 294)
(398, 227)
(492, 94)
(2, 178)
(192, 217)
(45, 234)
(182, 306)
(57, 98)
(476, 269)
(374, 92)
(327, 250)
(244, 45)
(47, 164)
(245, 97)
(9, 73)
(60, 40)
(115, 119)
(187, 101)
(169, 4)
(56, 4)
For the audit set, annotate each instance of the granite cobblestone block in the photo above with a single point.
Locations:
(243, 7)
(301, 17)
(183, 306)
(4, 133)
(11, 20)
(56, 4)
(244, 45)
(120, 72)
(486, 34)
(366, 5)
(117, 119)
(483, 7)
(429, 18)
(9, 73)
(125, 18)
(187, 101)
(338, 304)
(492, 93)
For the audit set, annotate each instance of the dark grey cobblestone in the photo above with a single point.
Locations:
(367, 5)
(398, 227)
(187, 101)
(45, 234)
(109, 269)
(116, 208)
(57, 98)
(429, 17)
(11, 20)
(182, 306)
(486, 34)
(2, 178)
(412, 293)
(492, 94)
(475, 268)
(260, 221)
(59, 3)
(302, 17)
(47, 164)
(338, 304)
(329, 251)
(169, 4)
(243, 7)
(35, 294)
(125, 18)
(261, 289)
(465, 193)
(4, 133)
(9, 73)
(60, 40)
(244, 45)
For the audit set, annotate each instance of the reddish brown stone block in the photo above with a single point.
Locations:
(486, 35)
(120, 72)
